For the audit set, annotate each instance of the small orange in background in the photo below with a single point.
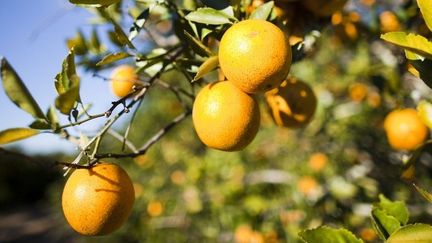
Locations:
(123, 79)
(155, 208)
(245, 234)
(404, 129)
(389, 22)
(368, 234)
(178, 177)
(318, 161)
(248, 61)
(293, 104)
(358, 92)
(225, 117)
(307, 185)
(97, 201)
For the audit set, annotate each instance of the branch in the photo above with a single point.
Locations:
(82, 121)
(156, 137)
(122, 139)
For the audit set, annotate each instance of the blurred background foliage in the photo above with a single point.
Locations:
(329, 172)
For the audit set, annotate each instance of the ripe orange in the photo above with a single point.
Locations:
(323, 8)
(292, 104)
(246, 59)
(358, 91)
(123, 78)
(224, 117)
(306, 185)
(155, 208)
(245, 234)
(389, 22)
(98, 201)
(404, 129)
(318, 161)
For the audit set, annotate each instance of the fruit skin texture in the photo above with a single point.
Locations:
(224, 117)
(404, 129)
(255, 55)
(123, 78)
(98, 201)
(293, 104)
(323, 8)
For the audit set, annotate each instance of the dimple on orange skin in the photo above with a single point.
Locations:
(123, 78)
(224, 117)
(292, 104)
(255, 55)
(404, 129)
(98, 201)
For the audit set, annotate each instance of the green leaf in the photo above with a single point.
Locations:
(113, 57)
(414, 43)
(396, 209)
(52, 117)
(328, 235)
(424, 68)
(209, 16)
(17, 91)
(209, 65)
(65, 102)
(78, 44)
(263, 11)
(40, 124)
(197, 45)
(120, 35)
(139, 23)
(413, 233)
(67, 85)
(94, 3)
(95, 43)
(383, 223)
(427, 195)
(426, 10)
(15, 134)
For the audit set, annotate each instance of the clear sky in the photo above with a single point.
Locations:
(32, 38)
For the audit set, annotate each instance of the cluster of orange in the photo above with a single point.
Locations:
(225, 114)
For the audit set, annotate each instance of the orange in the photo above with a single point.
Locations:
(224, 117)
(404, 129)
(323, 8)
(389, 22)
(249, 61)
(123, 79)
(245, 234)
(358, 91)
(318, 161)
(292, 104)
(307, 185)
(97, 201)
(368, 234)
(155, 208)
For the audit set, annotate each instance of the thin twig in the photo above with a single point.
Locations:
(119, 137)
(82, 121)
(175, 89)
(156, 137)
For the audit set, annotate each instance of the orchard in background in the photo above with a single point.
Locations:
(247, 121)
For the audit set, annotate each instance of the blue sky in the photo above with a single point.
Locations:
(32, 38)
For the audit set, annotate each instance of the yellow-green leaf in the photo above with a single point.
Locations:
(94, 3)
(113, 57)
(209, 65)
(328, 235)
(414, 43)
(427, 195)
(263, 11)
(198, 46)
(413, 233)
(424, 110)
(209, 16)
(67, 84)
(426, 10)
(15, 134)
(17, 91)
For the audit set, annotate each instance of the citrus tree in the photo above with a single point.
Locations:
(247, 121)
